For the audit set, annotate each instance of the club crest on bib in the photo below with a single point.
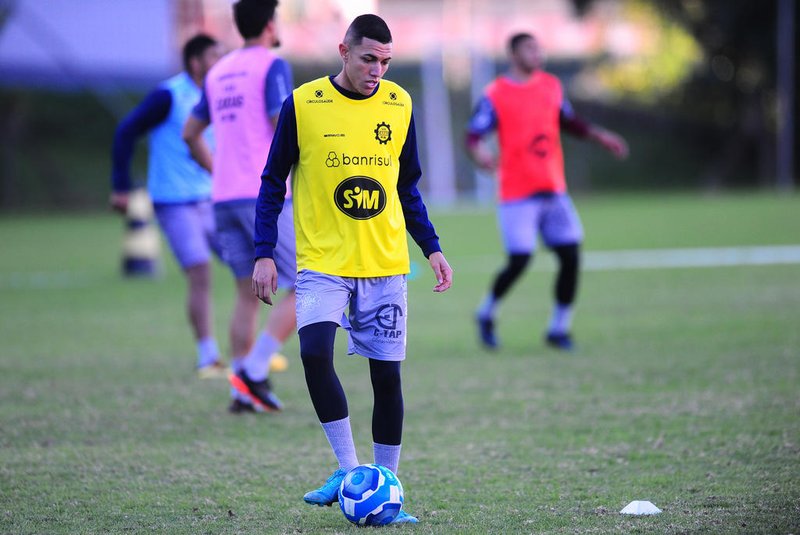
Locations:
(360, 197)
(383, 133)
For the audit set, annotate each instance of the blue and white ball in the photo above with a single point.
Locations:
(370, 495)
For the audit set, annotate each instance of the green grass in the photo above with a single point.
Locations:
(683, 391)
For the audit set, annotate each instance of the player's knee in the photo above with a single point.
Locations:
(385, 376)
(568, 255)
(316, 343)
(517, 262)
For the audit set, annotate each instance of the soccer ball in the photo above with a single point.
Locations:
(370, 495)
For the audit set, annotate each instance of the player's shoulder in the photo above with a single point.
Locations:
(391, 94)
(393, 87)
(318, 88)
(314, 84)
(223, 65)
(173, 82)
(547, 78)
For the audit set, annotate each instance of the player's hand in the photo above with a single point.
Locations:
(483, 157)
(265, 279)
(614, 144)
(442, 270)
(119, 201)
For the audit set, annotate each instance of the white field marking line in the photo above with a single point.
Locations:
(699, 257)
(654, 258)
(592, 261)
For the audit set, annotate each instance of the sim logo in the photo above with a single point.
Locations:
(360, 197)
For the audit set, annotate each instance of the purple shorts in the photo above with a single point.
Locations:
(552, 216)
(236, 231)
(190, 231)
(372, 310)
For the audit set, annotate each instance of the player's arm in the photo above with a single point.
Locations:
(573, 124)
(277, 88)
(192, 134)
(283, 154)
(151, 112)
(482, 121)
(418, 223)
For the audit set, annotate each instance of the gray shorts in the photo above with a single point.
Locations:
(376, 317)
(236, 231)
(190, 231)
(552, 216)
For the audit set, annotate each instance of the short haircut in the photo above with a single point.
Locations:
(370, 27)
(195, 47)
(517, 39)
(252, 16)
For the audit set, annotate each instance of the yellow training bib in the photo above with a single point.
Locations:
(348, 217)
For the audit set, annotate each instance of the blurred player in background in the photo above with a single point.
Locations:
(352, 142)
(242, 97)
(179, 188)
(528, 109)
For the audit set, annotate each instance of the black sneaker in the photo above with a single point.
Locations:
(486, 330)
(259, 392)
(562, 341)
(238, 406)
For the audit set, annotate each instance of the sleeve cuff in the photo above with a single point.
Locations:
(264, 251)
(430, 246)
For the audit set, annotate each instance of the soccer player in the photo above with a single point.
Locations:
(528, 109)
(352, 142)
(179, 188)
(242, 97)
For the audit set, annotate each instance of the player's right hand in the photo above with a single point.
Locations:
(265, 279)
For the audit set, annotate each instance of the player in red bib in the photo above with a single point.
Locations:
(527, 108)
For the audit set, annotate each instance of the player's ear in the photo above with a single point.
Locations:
(344, 51)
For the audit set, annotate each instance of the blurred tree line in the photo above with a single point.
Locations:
(728, 103)
(699, 111)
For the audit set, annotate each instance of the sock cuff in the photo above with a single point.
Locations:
(337, 427)
(387, 455)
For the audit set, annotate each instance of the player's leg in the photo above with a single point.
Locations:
(387, 412)
(564, 292)
(282, 319)
(185, 228)
(233, 220)
(330, 405)
(250, 377)
(198, 307)
(517, 222)
(254, 369)
(318, 320)
(378, 328)
(563, 233)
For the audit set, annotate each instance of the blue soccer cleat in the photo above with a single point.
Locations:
(562, 341)
(328, 493)
(404, 518)
(486, 331)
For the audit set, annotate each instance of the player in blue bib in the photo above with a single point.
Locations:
(179, 188)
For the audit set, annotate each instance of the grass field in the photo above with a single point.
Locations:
(684, 390)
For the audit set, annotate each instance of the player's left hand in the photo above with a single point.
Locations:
(442, 270)
(614, 143)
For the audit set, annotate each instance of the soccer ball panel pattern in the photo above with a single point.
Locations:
(370, 495)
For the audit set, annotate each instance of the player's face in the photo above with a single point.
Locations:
(274, 28)
(528, 56)
(365, 64)
(208, 58)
